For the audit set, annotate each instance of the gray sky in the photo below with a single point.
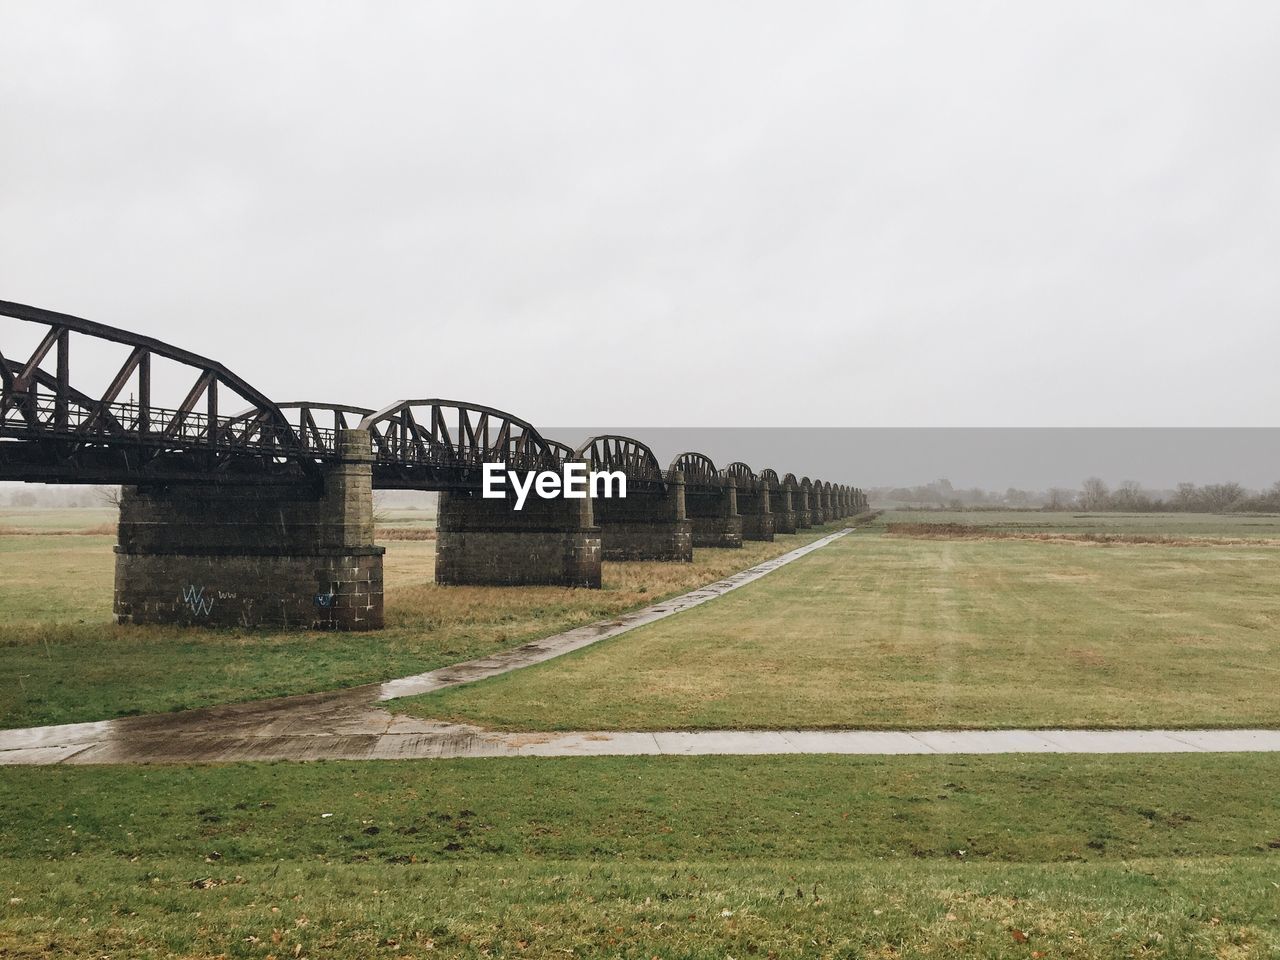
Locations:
(707, 214)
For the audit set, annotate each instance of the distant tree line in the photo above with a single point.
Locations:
(33, 495)
(1186, 498)
(1093, 495)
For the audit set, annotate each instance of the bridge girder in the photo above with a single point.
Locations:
(55, 431)
(698, 471)
(614, 452)
(438, 444)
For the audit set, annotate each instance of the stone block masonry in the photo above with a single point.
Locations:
(717, 531)
(817, 509)
(785, 517)
(233, 555)
(804, 515)
(646, 525)
(714, 516)
(488, 542)
(757, 518)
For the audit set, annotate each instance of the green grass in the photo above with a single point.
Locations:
(54, 520)
(1166, 908)
(889, 632)
(80, 588)
(62, 659)
(1243, 526)
(1010, 856)
(677, 857)
(1011, 808)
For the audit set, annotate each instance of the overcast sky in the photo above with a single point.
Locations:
(712, 214)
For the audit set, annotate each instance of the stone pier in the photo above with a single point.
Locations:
(757, 517)
(817, 504)
(646, 524)
(804, 515)
(782, 506)
(488, 542)
(714, 516)
(240, 555)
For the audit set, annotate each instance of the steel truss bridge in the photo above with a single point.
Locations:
(54, 428)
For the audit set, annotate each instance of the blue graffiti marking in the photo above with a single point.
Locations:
(193, 596)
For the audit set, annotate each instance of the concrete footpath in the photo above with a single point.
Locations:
(352, 724)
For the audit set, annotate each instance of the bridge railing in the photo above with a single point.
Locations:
(44, 417)
(410, 455)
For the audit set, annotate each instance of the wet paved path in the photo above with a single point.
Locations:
(351, 724)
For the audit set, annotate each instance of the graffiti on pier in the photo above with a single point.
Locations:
(194, 598)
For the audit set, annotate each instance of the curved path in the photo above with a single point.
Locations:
(351, 724)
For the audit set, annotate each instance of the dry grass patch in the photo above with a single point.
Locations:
(890, 632)
(507, 615)
(384, 534)
(967, 531)
(98, 530)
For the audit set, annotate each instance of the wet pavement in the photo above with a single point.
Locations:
(352, 724)
(354, 730)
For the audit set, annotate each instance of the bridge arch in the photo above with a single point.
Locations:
(561, 450)
(650, 522)
(711, 501)
(86, 435)
(781, 501)
(799, 501)
(697, 470)
(753, 501)
(613, 451)
(437, 444)
(314, 423)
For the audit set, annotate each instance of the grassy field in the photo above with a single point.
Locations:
(64, 660)
(401, 517)
(1241, 526)
(897, 632)
(47, 520)
(639, 857)
(1029, 856)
